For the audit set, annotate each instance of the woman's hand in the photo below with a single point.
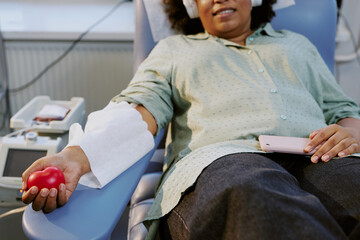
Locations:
(73, 162)
(334, 140)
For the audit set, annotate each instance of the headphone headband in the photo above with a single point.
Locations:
(256, 3)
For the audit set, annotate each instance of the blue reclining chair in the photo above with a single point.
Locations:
(94, 213)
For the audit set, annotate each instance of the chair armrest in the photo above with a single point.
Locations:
(90, 213)
(146, 187)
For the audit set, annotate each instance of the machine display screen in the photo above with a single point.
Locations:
(18, 160)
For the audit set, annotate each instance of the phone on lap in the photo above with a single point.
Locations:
(281, 144)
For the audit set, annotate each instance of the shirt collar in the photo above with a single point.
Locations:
(267, 29)
(200, 36)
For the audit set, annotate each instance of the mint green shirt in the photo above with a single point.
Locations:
(218, 97)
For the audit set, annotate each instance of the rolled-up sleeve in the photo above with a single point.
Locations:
(151, 85)
(334, 103)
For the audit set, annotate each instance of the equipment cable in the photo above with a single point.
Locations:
(68, 50)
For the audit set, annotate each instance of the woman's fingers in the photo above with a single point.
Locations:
(322, 136)
(62, 198)
(319, 140)
(313, 134)
(350, 150)
(331, 149)
(331, 141)
(40, 200)
(45, 199)
(51, 203)
(30, 195)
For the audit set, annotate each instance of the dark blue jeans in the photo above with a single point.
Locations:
(270, 196)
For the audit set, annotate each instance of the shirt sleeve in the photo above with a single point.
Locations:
(322, 84)
(151, 85)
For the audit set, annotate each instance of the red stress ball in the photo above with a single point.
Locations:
(50, 177)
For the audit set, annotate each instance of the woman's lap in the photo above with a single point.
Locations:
(254, 196)
(336, 184)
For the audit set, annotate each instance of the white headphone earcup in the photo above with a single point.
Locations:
(191, 8)
(256, 3)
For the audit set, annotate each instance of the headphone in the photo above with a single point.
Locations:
(256, 3)
(192, 10)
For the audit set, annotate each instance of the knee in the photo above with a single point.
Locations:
(247, 178)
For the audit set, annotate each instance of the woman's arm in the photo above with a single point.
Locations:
(74, 163)
(148, 118)
(341, 139)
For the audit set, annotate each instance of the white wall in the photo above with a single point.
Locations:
(37, 32)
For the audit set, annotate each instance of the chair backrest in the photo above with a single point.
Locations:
(315, 19)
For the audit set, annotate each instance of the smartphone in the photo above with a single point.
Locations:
(293, 145)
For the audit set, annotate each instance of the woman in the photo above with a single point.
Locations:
(219, 90)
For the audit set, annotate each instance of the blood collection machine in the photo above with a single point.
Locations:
(40, 129)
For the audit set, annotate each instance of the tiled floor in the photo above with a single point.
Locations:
(10, 226)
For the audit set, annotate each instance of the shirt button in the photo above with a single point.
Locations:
(273, 90)
(249, 52)
(283, 117)
(260, 70)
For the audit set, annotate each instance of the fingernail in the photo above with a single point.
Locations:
(314, 159)
(23, 186)
(325, 158)
(313, 134)
(44, 192)
(33, 190)
(52, 192)
(341, 154)
(62, 187)
(308, 148)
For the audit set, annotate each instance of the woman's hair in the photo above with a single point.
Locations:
(180, 20)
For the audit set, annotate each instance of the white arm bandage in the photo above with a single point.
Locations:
(114, 139)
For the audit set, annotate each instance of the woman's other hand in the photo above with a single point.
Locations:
(341, 139)
(73, 162)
